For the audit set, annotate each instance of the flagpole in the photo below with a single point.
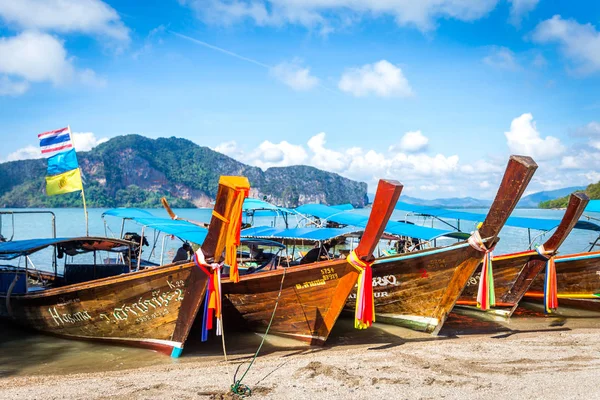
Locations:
(85, 213)
(87, 231)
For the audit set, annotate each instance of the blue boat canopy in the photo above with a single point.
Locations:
(182, 229)
(128, 213)
(343, 207)
(351, 218)
(542, 224)
(17, 248)
(261, 205)
(311, 234)
(593, 206)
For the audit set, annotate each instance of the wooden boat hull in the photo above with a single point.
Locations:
(152, 308)
(312, 298)
(418, 290)
(509, 273)
(578, 279)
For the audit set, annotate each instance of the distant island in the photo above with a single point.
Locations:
(135, 171)
(593, 191)
(543, 199)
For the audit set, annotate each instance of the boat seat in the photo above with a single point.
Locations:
(77, 273)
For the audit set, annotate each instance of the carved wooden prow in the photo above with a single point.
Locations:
(519, 171)
(213, 246)
(577, 203)
(536, 265)
(386, 197)
(229, 187)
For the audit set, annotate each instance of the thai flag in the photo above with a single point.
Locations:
(55, 142)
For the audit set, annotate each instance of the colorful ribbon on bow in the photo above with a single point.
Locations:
(212, 301)
(364, 315)
(232, 238)
(550, 282)
(486, 296)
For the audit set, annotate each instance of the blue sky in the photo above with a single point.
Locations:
(435, 93)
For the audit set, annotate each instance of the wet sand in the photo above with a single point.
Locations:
(531, 356)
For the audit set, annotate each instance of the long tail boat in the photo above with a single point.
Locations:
(419, 289)
(309, 297)
(153, 307)
(513, 273)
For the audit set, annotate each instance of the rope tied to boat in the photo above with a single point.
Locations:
(238, 387)
(550, 282)
(486, 295)
(212, 301)
(364, 314)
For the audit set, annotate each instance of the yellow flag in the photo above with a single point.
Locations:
(66, 182)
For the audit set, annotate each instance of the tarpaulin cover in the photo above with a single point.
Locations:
(18, 248)
(352, 218)
(313, 234)
(520, 222)
(181, 229)
(593, 206)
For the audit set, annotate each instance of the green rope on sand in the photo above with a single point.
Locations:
(238, 387)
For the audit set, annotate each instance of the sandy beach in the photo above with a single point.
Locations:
(530, 357)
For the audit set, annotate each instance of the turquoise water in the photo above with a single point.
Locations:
(71, 222)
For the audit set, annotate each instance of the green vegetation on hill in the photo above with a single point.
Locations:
(593, 192)
(135, 171)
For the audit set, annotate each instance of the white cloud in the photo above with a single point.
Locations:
(354, 162)
(85, 141)
(423, 174)
(590, 130)
(327, 14)
(429, 188)
(411, 142)
(579, 42)
(381, 79)
(325, 158)
(9, 87)
(480, 167)
(524, 139)
(502, 58)
(228, 148)
(294, 75)
(38, 57)
(280, 154)
(570, 162)
(65, 16)
(519, 9)
(25, 153)
(583, 159)
(82, 141)
(549, 184)
(593, 176)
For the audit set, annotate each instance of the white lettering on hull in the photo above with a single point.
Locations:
(141, 311)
